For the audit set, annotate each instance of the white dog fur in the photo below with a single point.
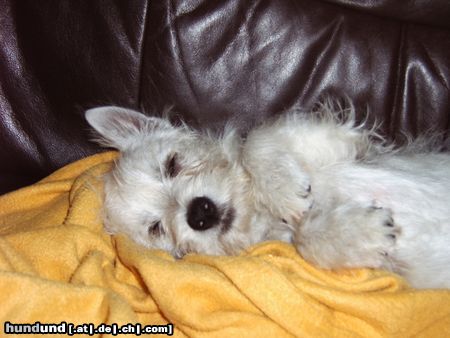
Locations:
(332, 188)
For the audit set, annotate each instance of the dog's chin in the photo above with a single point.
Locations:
(180, 253)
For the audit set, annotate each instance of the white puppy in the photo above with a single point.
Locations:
(334, 189)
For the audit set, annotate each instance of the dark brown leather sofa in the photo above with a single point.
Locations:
(214, 61)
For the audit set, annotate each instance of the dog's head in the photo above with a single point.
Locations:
(174, 188)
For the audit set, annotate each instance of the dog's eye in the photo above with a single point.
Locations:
(155, 229)
(172, 165)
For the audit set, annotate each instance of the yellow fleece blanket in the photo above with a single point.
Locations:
(58, 266)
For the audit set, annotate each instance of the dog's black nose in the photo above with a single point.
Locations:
(202, 214)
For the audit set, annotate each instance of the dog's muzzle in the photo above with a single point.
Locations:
(202, 214)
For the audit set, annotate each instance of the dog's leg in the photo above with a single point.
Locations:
(281, 157)
(326, 136)
(348, 236)
(279, 184)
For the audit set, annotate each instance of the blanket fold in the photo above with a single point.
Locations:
(58, 265)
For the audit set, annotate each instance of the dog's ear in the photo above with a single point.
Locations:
(120, 127)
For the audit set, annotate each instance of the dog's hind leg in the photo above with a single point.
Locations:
(282, 156)
(315, 140)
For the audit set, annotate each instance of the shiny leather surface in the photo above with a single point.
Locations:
(215, 61)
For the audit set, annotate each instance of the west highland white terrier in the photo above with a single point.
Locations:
(334, 189)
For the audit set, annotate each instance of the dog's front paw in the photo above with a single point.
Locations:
(380, 231)
(375, 237)
(349, 237)
(280, 184)
(291, 198)
(287, 194)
